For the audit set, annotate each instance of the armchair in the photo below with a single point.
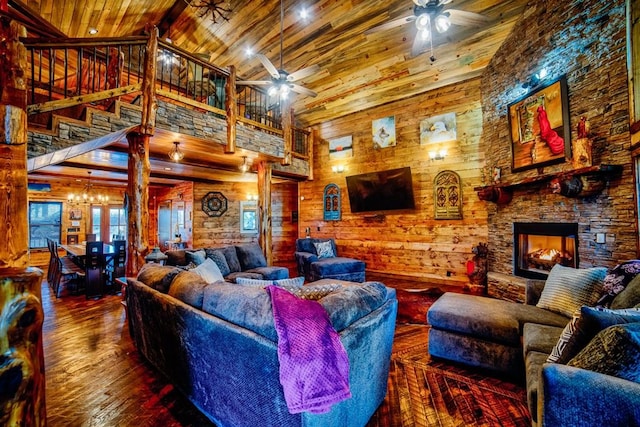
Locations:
(315, 264)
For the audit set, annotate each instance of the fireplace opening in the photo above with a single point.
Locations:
(538, 246)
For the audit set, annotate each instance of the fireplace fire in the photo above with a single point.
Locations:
(538, 246)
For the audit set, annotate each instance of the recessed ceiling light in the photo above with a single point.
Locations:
(167, 169)
(93, 31)
(248, 51)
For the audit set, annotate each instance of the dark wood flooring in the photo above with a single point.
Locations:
(95, 376)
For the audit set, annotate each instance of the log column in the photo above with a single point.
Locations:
(22, 381)
(264, 210)
(231, 105)
(287, 130)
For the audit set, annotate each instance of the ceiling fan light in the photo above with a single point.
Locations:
(284, 90)
(442, 23)
(273, 91)
(423, 22)
(425, 35)
(421, 3)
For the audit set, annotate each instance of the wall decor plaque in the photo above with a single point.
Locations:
(214, 203)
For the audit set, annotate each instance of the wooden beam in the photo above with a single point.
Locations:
(139, 169)
(58, 104)
(264, 210)
(149, 101)
(231, 105)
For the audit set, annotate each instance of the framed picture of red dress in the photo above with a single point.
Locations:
(539, 126)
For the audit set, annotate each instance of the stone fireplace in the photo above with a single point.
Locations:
(538, 246)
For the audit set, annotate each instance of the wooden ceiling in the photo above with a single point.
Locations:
(357, 71)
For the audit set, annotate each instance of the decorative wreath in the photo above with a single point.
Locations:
(214, 203)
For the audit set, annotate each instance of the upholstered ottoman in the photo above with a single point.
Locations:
(483, 332)
(340, 268)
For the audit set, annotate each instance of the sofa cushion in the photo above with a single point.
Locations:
(296, 281)
(540, 338)
(533, 367)
(613, 351)
(311, 292)
(176, 257)
(250, 256)
(209, 271)
(271, 273)
(188, 287)
(630, 296)
(232, 258)
(158, 277)
(350, 303)
(590, 322)
(617, 280)
(233, 277)
(218, 257)
(324, 249)
(566, 288)
(327, 267)
(196, 257)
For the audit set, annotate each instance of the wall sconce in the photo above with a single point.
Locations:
(252, 197)
(536, 79)
(176, 155)
(337, 169)
(437, 155)
(244, 167)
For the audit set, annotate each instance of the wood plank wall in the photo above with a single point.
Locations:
(225, 230)
(410, 243)
(182, 192)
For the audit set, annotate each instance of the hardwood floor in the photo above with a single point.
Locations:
(95, 376)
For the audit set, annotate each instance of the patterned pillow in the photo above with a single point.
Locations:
(617, 280)
(584, 326)
(196, 257)
(312, 292)
(566, 288)
(209, 271)
(324, 249)
(630, 296)
(218, 257)
(292, 282)
(614, 351)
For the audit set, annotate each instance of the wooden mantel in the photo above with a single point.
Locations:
(583, 182)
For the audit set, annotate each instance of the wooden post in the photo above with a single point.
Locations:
(264, 209)
(311, 140)
(231, 105)
(287, 130)
(139, 169)
(22, 401)
(149, 101)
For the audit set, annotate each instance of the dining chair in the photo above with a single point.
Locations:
(64, 270)
(116, 265)
(94, 269)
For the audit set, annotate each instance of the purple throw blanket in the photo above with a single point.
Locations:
(314, 367)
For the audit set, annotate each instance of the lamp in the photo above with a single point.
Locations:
(244, 167)
(437, 155)
(337, 169)
(280, 89)
(88, 195)
(175, 154)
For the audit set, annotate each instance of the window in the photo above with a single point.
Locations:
(248, 217)
(117, 223)
(44, 222)
(96, 221)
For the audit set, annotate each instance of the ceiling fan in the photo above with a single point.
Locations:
(282, 82)
(428, 14)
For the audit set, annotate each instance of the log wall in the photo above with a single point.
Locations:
(411, 243)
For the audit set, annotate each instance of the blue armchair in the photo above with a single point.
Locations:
(318, 259)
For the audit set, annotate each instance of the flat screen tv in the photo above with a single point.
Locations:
(381, 191)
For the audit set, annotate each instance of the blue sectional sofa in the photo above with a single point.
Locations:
(217, 344)
(314, 266)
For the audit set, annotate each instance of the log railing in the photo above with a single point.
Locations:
(68, 72)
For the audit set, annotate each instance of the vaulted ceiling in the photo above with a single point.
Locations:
(357, 70)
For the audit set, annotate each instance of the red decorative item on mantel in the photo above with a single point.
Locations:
(548, 135)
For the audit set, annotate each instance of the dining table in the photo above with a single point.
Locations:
(94, 285)
(79, 250)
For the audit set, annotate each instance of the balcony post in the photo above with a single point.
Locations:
(264, 209)
(287, 130)
(231, 105)
(139, 169)
(149, 101)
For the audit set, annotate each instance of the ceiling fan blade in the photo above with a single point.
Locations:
(301, 74)
(253, 82)
(273, 71)
(390, 24)
(461, 17)
(418, 46)
(303, 90)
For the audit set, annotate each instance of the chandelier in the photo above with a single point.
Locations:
(88, 195)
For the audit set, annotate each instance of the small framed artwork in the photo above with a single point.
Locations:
(341, 148)
(248, 217)
(539, 127)
(75, 213)
(384, 132)
(436, 129)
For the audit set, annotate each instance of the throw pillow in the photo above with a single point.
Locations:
(324, 249)
(250, 256)
(209, 271)
(218, 257)
(587, 325)
(630, 296)
(196, 257)
(566, 288)
(617, 280)
(232, 258)
(565, 338)
(188, 287)
(614, 351)
(312, 292)
(158, 277)
(295, 281)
